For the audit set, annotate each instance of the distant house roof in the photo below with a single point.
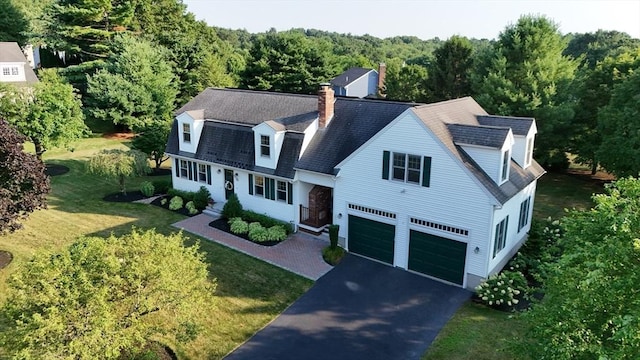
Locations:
(227, 137)
(350, 76)
(10, 52)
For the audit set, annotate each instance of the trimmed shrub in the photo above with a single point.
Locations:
(233, 208)
(161, 186)
(176, 203)
(147, 189)
(332, 255)
(191, 208)
(163, 201)
(201, 198)
(333, 235)
(265, 220)
(238, 226)
(276, 233)
(257, 232)
(502, 288)
(185, 195)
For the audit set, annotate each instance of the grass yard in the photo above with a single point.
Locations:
(478, 332)
(250, 293)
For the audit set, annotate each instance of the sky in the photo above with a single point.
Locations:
(425, 19)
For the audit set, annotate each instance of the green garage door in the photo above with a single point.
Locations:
(371, 238)
(437, 256)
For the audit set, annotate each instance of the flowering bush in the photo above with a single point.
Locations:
(501, 289)
(176, 203)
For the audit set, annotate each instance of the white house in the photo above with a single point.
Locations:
(14, 67)
(444, 189)
(359, 82)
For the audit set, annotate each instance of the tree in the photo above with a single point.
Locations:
(119, 165)
(23, 183)
(135, 89)
(13, 24)
(100, 298)
(50, 115)
(591, 48)
(526, 74)
(405, 82)
(287, 62)
(590, 309)
(593, 91)
(84, 29)
(152, 140)
(449, 73)
(619, 152)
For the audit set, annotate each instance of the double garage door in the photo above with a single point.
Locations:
(428, 254)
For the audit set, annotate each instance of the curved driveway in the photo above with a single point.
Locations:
(359, 310)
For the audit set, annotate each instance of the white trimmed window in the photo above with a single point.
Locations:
(186, 133)
(529, 154)
(14, 70)
(505, 165)
(259, 185)
(281, 191)
(407, 167)
(202, 173)
(265, 147)
(524, 213)
(6, 71)
(184, 169)
(501, 236)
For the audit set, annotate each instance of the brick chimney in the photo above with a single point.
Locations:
(325, 105)
(382, 72)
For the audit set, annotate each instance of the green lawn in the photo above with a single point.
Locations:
(478, 332)
(250, 293)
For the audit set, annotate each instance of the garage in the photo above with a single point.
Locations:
(371, 238)
(436, 256)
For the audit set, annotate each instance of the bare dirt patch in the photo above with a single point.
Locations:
(119, 136)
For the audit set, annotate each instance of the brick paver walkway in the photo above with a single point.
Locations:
(300, 253)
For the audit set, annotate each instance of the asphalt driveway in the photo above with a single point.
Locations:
(359, 310)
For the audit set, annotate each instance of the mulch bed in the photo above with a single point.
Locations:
(130, 196)
(222, 224)
(5, 258)
(55, 170)
(183, 211)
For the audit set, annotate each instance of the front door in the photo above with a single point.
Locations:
(228, 183)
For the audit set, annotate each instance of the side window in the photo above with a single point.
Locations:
(186, 133)
(501, 236)
(265, 147)
(505, 165)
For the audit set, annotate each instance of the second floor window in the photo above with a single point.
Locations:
(6, 71)
(505, 165)
(186, 133)
(407, 167)
(265, 149)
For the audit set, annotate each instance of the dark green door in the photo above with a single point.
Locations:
(371, 238)
(437, 256)
(228, 183)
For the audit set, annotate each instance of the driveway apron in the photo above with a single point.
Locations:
(359, 310)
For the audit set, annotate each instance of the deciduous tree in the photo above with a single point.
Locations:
(119, 165)
(405, 82)
(590, 309)
(152, 140)
(100, 297)
(23, 183)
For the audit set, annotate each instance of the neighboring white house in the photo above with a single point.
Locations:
(14, 67)
(359, 82)
(441, 189)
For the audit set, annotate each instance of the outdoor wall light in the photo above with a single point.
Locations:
(476, 250)
(237, 176)
(340, 216)
(219, 171)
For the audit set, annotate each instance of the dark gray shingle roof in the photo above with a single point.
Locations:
(519, 125)
(355, 121)
(251, 107)
(232, 145)
(349, 76)
(478, 135)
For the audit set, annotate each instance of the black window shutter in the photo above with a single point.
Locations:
(289, 193)
(250, 184)
(426, 171)
(209, 174)
(177, 168)
(385, 165)
(195, 171)
(190, 170)
(272, 184)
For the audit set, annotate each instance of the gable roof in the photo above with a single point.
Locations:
(519, 125)
(10, 52)
(489, 136)
(350, 76)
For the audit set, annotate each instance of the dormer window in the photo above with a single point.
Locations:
(529, 154)
(265, 147)
(505, 165)
(186, 133)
